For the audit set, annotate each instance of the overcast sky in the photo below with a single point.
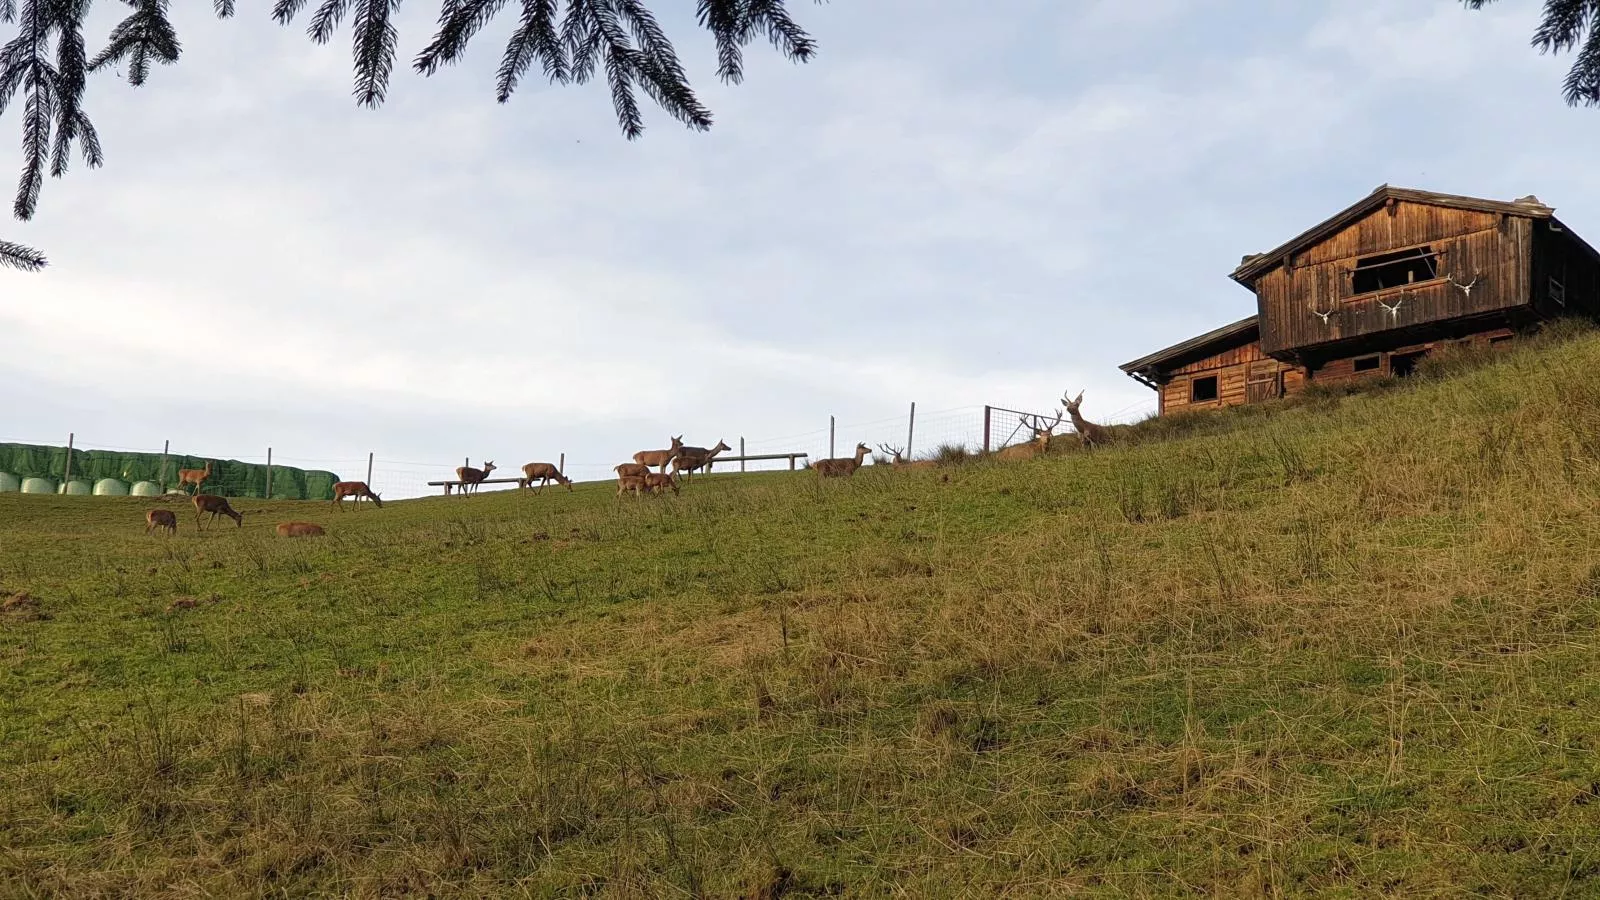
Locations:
(940, 208)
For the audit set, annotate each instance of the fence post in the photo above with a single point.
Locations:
(986, 410)
(562, 466)
(66, 473)
(911, 429)
(269, 473)
(369, 468)
(166, 446)
(741, 453)
(830, 437)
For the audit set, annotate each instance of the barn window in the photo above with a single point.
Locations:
(1203, 389)
(1392, 270)
(1369, 363)
(1558, 291)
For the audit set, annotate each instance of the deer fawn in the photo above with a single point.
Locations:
(299, 529)
(691, 458)
(659, 482)
(1089, 433)
(899, 461)
(160, 518)
(195, 477)
(356, 489)
(631, 469)
(635, 483)
(544, 473)
(659, 457)
(843, 465)
(1038, 445)
(211, 503)
(470, 478)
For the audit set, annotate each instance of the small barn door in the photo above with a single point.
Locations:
(1265, 382)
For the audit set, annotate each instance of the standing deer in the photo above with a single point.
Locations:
(1038, 445)
(470, 478)
(211, 503)
(660, 458)
(843, 466)
(634, 483)
(691, 458)
(160, 518)
(631, 469)
(899, 461)
(1089, 433)
(195, 477)
(545, 473)
(299, 529)
(356, 489)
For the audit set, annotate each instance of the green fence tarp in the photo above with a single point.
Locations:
(229, 478)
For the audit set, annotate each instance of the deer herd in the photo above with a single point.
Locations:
(647, 474)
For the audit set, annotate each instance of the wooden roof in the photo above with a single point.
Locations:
(1256, 265)
(1212, 342)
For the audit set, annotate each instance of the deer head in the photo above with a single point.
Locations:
(487, 468)
(894, 452)
(1073, 404)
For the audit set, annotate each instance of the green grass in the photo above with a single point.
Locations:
(1345, 647)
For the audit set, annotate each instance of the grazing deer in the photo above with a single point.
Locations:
(160, 518)
(691, 458)
(660, 482)
(356, 489)
(211, 503)
(660, 458)
(195, 477)
(631, 469)
(634, 483)
(843, 466)
(1089, 433)
(470, 478)
(545, 473)
(899, 461)
(299, 529)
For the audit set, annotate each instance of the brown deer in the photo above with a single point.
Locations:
(659, 482)
(195, 477)
(660, 458)
(211, 503)
(691, 458)
(634, 483)
(897, 459)
(841, 466)
(356, 489)
(1089, 433)
(470, 478)
(545, 473)
(299, 529)
(160, 518)
(631, 469)
(1038, 445)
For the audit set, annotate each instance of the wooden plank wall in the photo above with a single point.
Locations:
(1472, 242)
(1556, 253)
(1337, 370)
(1231, 367)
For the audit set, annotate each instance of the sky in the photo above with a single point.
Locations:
(941, 208)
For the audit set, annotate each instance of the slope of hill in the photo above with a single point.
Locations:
(1346, 647)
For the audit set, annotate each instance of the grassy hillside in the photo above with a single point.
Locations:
(1345, 648)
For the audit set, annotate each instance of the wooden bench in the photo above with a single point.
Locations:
(760, 457)
(454, 484)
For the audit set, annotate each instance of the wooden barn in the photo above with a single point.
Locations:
(1372, 289)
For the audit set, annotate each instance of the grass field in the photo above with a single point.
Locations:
(1345, 648)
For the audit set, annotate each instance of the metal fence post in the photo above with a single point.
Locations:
(166, 446)
(741, 454)
(66, 472)
(369, 469)
(911, 429)
(830, 436)
(986, 411)
(269, 473)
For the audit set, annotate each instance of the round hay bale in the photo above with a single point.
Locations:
(38, 486)
(146, 489)
(9, 483)
(110, 487)
(77, 488)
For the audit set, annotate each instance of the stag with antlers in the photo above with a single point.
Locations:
(1039, 444)
(897, 459)
(1089, 433)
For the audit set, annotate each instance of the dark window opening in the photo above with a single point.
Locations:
(1203, 389)
(1558, 291)
(1392, 270)
(1369, 363)
(1402, 365)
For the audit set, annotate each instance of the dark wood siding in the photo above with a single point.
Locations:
(1244, 375)
(1495, 248)
(1344, 368)
(1558, 255)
